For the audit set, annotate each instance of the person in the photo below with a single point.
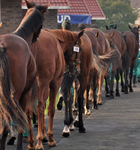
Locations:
(66, 25)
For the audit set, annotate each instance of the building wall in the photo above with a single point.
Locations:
(11, 15)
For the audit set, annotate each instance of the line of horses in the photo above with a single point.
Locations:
(36, 62)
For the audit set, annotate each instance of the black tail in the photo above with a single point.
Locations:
(9, 108)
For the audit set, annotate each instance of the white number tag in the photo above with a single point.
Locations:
(76, 49)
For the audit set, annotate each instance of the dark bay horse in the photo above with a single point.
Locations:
(18, 72)
(132, 47)
(53, 51)
(119, 41)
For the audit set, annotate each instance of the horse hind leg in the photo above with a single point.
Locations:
(3, 139)
(122, 82)
(99, 98)
(66, 131)
(107, 94)
(51, 111)
(86, 103)
(117, 82)
(31, 140)
(71, 126)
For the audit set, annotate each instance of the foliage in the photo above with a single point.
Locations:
(117, 12)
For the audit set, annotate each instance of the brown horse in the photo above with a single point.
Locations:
(111, 54)
(18, 72)
(51, 51)
(132, 46)
(119, 41)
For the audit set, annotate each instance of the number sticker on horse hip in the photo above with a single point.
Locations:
(76, 49)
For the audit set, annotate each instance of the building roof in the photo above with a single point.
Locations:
(78, 7)
(95, 9)
(84, 7)
(54, 4)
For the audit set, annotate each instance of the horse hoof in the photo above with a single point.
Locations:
(52, 144)
(118, 94)
(96, 107)
(31, 147)
(100, 103)
(45, 140)
(11, 140)
(131, 90)
(111, 96)
(37, 148)
(59, 105)
(107, 95)
(66, 134)
(87, 112)
(71, 127)
(122, 90)
(82, 130)
(126, 92)
(76, 124)
(134, 85)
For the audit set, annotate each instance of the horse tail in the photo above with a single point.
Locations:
(103, 62)
(9, 108)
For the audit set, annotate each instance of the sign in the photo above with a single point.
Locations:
(76, 49)
(75, 19)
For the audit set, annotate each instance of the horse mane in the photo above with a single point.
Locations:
(29, 26)
(63, 35)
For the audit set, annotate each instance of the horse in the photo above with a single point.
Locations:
(88, 59)
(132, 46)
(119, 41)
(95, 79)
(18, 72)
(54, 54)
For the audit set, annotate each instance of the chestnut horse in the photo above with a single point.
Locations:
(51, 51)
(119, 41)
(88, 59)
(132, 46)
(18, 72)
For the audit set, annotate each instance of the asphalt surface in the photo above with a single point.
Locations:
(114, 126)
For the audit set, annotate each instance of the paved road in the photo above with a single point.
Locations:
(114, 126)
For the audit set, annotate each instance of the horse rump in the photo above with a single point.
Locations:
(9, 108)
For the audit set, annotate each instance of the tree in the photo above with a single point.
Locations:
(117, 12)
